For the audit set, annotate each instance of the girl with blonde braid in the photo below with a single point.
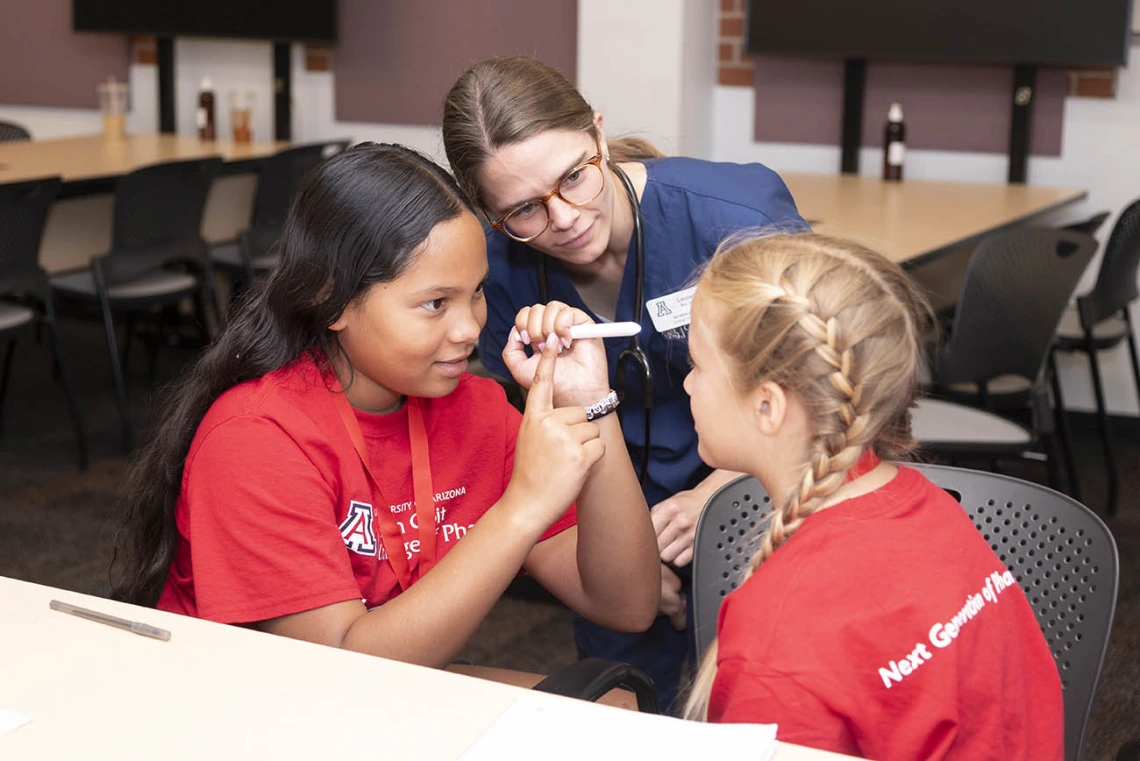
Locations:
(876, 620)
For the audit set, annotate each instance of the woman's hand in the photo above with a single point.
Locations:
(555, 449)
(675, 519)
(583, 373)
(672, 604)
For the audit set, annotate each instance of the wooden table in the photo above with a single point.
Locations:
(223, 692)
(914, 221)
(79, 226)
(91, 164)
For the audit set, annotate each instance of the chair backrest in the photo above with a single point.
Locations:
(1016, 288)
(161, 205)
(281, 176)
(1062, 555)
(1115, 286)
(257, 241)
(728, 534)
(1089, 226)
(10, 131)
(24, 208)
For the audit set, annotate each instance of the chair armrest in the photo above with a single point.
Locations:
(591, 678)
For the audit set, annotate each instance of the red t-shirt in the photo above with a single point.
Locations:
(887, 628)
(276, 515)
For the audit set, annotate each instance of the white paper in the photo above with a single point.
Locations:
(10, 720)
(570, 729)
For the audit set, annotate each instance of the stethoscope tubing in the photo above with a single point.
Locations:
(634, 349)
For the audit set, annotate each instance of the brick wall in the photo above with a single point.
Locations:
(734, 66)
(144, 50)
(318, 58)
(1093, 83)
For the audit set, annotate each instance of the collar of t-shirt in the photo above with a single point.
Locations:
(897, 496)
(386, 426)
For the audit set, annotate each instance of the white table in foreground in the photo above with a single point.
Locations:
(221, 692)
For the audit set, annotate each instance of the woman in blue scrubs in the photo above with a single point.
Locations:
(567, 208)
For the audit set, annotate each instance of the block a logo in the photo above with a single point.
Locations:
(356, 530)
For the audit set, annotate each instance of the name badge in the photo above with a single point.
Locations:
(672, 311)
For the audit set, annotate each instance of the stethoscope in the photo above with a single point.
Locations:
(633, 354)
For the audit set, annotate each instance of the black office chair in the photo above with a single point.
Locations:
(280, 178)
(1089, 226)
(1102, 320)
(591, 678)
(25, 296)
(1016, 288)
(1060, 552)
(10, 131)
(941, 278)
(157, 259)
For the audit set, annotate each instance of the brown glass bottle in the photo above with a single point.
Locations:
(206, 125)
(894, 144)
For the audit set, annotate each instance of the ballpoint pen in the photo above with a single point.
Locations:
(137, 627)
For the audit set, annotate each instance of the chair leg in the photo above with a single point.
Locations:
(1132, 353)
(210, 296)
(64, 374)
(130, 323)
(986, 404)
(153, 343)
(1102, 421)
(116, 373)
(201, 315)
(238, 287)
(1061, 416)
(4, 376)
(1052, 466)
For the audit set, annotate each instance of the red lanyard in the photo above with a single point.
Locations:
(390, 535)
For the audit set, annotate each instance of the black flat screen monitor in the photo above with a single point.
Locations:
(303, 20)
(1040, 32)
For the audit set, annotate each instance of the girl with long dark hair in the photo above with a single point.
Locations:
(328, 471)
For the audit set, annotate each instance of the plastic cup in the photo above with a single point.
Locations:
(114, 102)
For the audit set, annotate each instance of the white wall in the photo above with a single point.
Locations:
(698, 63)
(649, 67)
(46, 123)
(622, 74)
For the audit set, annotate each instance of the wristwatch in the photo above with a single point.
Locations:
(603, 406)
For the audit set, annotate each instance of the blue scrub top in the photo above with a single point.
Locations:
(688, 207)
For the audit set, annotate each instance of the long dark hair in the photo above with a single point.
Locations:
(357, 221)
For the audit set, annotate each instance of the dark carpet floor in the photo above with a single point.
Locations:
(55, 522)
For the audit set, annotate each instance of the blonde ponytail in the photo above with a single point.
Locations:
(630, 148)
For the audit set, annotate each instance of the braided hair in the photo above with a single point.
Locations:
(839, 327)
